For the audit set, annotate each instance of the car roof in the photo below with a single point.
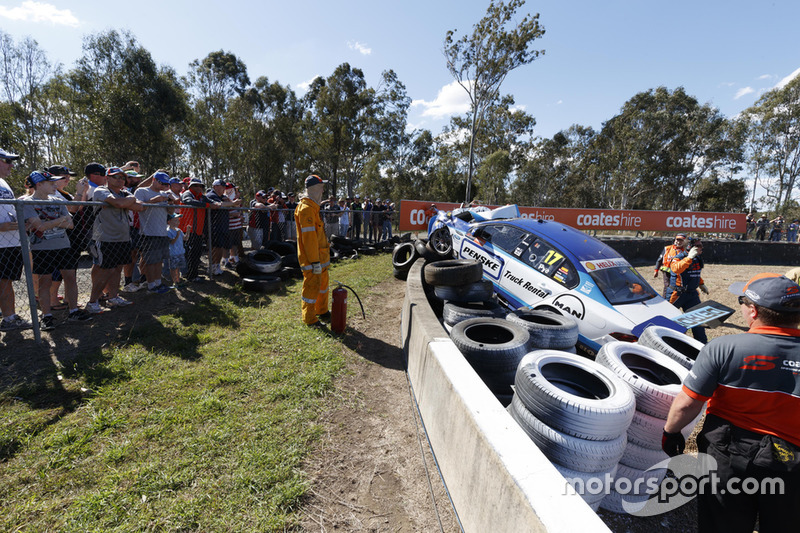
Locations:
(581, 246)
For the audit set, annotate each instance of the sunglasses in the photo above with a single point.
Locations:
(742, 300)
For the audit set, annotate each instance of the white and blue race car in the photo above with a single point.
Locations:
(541, 264)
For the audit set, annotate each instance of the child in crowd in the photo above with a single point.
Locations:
(177, 253)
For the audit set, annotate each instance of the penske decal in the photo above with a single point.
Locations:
(602, 264)
(491, 265)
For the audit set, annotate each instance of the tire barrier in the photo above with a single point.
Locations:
(678, 346)
(547, 330)
(453, 272)
(263, 261)
(455, 312)
(480, 291)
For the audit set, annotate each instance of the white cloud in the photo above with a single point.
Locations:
(781, 84)
(31, 11)
(304, 85)
(743, 91)
(359, 47)
(451, 100)
(765, 77)
(560, 102)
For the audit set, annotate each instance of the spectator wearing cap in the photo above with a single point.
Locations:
(761, 227)
(112, 239)
(175, 189)
(276, 206)
(313, 253)
(386, 220)
(330, 213)
(376, 221)
(777, 229)
(791, 230)
(235, 226)
(358, 212)
(368, 228)
(258, 219)
(685, 279)
(193, 225)
(154, 244)
(344, 217)
(83, 218)
(47, 223)
(133, 276)
(10, 249)
(291, 205)
(220, 224)
(64, 175)
(177, 253)
(751, 428)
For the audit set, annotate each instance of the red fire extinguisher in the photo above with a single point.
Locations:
(339, 307)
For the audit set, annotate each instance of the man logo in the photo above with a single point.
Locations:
(759, 362)
(570, 306)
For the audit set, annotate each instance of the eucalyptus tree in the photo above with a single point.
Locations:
(774, 140)
(480, 62)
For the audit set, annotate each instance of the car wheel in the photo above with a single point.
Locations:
(453, 272)
(480, 291)
(654, 378)
(263, 261)
(264, 284)
(493, 346)
(455, 312)
(568, 450)
(404, 255)
(678, 346)
(547, 330)
(440, 243)
(574, 395)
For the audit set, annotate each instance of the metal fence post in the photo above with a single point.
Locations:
(28, 268)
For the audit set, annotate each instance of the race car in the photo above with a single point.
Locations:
(541, 264)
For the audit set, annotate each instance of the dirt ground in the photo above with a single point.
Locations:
(372, 470)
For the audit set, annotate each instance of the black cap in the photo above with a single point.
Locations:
(94, 168)
(60, 170)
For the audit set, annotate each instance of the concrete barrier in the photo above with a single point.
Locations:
(498, 479)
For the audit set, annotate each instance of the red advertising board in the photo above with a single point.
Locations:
(414, 216)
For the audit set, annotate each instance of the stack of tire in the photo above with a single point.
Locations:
(577, 413)
(259, 269)
(344, 248)
(548, 330)
(675, 345)
(655, 380)
(406, 253)
(290, 266)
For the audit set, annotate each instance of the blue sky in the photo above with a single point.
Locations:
(598, 54)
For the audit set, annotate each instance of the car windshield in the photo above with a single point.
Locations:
(622, 285)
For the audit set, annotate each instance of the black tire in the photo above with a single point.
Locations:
(574, 395)
(266, 284)
(401, 274)
(493, 346)
(481, 291)
(244, 269)
(290, 260)
(453, 272)
(367, 250)
(405, 237)
(682, 348)
(440, 243)
(404, 255)
(282, 248)
(335, 255)
(567, 450)
(421, 245)
(455, 312)
(339, 240)
(654, 378)
(293, 272)
(263, 261)
(547, 330)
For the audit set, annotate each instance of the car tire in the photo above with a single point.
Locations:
(584, 480)
(678, 346)
(547, 330)
(404, 255)
(455, 312)
(263, 261)
(421, 246)
(401, 274)
(282, 248)
(440, 243)
(265, 283)
(568, 450)
(654, 378)
(367, 250)
(492, 346)
(574, 395)
(646, 430)
(641, 457)
(480, 291)
(453, 272)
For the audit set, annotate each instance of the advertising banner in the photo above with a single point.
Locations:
(414, 216)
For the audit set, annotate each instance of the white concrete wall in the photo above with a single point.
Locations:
(498, 479)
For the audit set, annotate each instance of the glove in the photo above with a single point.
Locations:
(316, 268)
(673, 443)
(693, 252)
(704, 289)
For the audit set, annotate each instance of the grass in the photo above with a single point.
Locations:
(200, 421)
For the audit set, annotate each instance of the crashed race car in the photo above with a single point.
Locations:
(546, 265)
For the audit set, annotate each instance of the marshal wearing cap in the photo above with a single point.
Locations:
(772, 291)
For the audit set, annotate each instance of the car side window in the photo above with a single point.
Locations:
(545, 258)
(501, 236)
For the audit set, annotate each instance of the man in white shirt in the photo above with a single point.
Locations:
(10, 250)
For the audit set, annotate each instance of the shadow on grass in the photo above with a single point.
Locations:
(375, 350)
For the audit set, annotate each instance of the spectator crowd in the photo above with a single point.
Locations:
(142, 234)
